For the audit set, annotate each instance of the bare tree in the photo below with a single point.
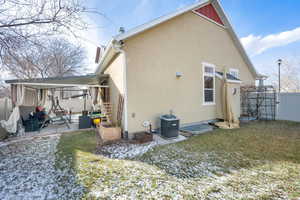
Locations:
(23, 21)
(290, 76)
(21, 63)
(55, 57)
(64, 59)
(4, 91)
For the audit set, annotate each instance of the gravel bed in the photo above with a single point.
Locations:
(27, 171)
(123, 149)
(127, 150)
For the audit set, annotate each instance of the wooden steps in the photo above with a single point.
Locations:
(107, 111)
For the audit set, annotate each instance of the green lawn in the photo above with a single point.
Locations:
(261, 160)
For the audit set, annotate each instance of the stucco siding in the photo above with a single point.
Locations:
(116, 83)
(219, 93)
(178, 45)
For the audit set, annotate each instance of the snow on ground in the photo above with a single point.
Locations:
(27, 171)
(169, 172)
(174, 173)
(183, 164)
(207, 176)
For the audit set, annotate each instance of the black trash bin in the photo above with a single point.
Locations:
(85, 122)
(169, 126)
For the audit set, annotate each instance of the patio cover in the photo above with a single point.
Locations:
(19, 96)
(90, 80)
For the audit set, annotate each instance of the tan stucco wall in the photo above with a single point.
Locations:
(116, 83)
(179, 45)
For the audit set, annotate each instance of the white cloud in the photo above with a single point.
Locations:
(258, 44)
(91, 39)
(143, 12)
(142, 6)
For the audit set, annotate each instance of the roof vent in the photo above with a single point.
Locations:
(122, 30)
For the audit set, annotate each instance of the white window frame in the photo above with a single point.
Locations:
(204, 64)
(236, 71)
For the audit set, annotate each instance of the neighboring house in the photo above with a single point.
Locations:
(171, 63)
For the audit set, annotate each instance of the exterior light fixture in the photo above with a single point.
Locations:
(178, 74)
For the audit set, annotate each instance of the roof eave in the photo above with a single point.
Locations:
(228, 80)
(107, 56)
(158, 21)
(234, 36)
(110, 51)
(262, 76)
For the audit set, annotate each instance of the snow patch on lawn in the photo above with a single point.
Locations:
(27, 171)
(183, 164)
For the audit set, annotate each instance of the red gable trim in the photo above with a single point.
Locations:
(210, 12)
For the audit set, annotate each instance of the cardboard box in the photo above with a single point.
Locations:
(108, 133)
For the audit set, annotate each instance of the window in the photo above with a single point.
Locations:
(208, 84)
(234, 72)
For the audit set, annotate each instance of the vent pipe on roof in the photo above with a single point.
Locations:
(98, 55)
(261, 82)
(122, 30)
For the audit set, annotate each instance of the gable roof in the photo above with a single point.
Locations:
(208, 11)
(110, 52)
(157, 21)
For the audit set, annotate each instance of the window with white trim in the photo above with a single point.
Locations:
(208, 84)
(234, 72)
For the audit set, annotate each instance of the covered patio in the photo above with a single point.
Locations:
(81, 97)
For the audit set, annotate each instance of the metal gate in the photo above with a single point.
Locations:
(258, 102)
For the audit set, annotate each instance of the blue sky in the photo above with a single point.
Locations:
(269, 29)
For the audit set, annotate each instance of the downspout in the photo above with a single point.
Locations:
(119, 49)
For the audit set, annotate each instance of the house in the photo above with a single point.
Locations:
(176, 63)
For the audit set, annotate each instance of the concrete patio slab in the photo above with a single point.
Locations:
(162, 141)
(197, 129)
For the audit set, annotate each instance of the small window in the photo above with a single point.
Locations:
(208, 84)
(209, 69)
(234, 72)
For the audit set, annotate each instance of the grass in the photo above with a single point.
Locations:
(261, 160)
(260, 140)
